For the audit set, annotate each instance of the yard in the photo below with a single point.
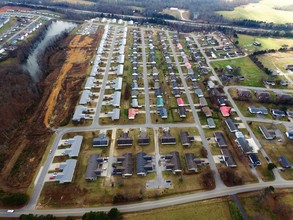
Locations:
(253, 75)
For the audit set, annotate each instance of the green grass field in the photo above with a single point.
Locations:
(262, 11)
(253, 75)
(277, 60)
(246, 42)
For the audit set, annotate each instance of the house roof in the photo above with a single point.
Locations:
(231, 125)
(120, 69)
(143, 138)
(68, 168)
(254, 159)
(269, 135)
(203, 101)
(101, 140)
(85, 97)
(167, 138)
(91, 171)
(220, 139)
(207, 111)
(115, 114)
(228, 158)
(278, 112)
(185, 138)
(160, 101)
(175, 161)
(79, 113)
(116, 99)
(74, 149)
(182, 111)
(134, 103)
(243, 144)
(116, 84)
(124, 140)
(190, 163)
(132, 112)
(285, 163)
(199, 92)
(259, 110)
(211, 123)
(180, 102)
(163, 112)
(89, 82)
(225, 110)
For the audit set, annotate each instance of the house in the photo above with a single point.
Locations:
(134, 94)
(211, 123)
(176, 93)
(285, 163)
(85, 97)
(68, 168)
(173, 162)
(143, 164)
(80, 113)
(124, 165)
(225, 110)
(278, 113)
(180, 102)
(182, 112)
(268, 134)
(185, 138)
(101, 141)
(221, 101)
(211, 84)
(228, 158)
(254, 159)
(229, 68)
(120, 69)
(90, 83)
(199, 92)
(143, 138)
(134, 86)
(114, 114)
(192, 162)
(94, 165)
(260, 110)
(134, 103)
(263, 96)
(256, 43)
(160, 102)
(162, 112)
(243, 144)
(175, 85)
(116, 99)
(132, 112)
(220, 139)
(244, 94)
(124, 140)
(283, 98)
(167, 138)
(231, 125)
(289, 113)
(284, 82)
(158, 92)
(269, 82)
(289, 134)
(203, 102)
(116, 84)
(75, 145)
(207, 111)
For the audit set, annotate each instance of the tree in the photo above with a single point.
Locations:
(94, 216)
(15, 199)
(271, 166)
(114, 214)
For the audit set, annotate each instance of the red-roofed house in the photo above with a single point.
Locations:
(225, 110)
(180, 102)
(188, 65)
(132, 112)
(179, 46)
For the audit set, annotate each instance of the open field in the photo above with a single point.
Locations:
(262, 11)
(196, 210)
(183, 15)
(246, 42)
(84, 2)
(277, 61)
(253, 75)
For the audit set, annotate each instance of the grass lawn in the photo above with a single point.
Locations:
(246, 42)
(196, 210)
(262, 11)
(253, 75)
(277, 60)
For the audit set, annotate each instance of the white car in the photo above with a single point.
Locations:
(10, 211)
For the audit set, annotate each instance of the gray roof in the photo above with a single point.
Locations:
(142, 163)
(269, 135)
(127, 163)
(143, 138)
(115, 114)
(167, 138)
(228, 158)
(79, 113)
(199, 92)
(186, 140)
(175, 162)
(90, 83)
(121, 58)
(259, 110)
(120, 69)
(74, 149)
(285, 163)
(101, 140)
(190, 162)
(68, 168)
(134, 103)
(125, 140)
(203, 101)
(91, 171)
(85, 97)
(231, 125)
(211, 123)
(243, 144)
(220, 139)
(116, 84)
(116, 99)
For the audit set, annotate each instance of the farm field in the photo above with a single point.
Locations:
(262, 11)
(277, 60)
(246, 42)
(253, 75)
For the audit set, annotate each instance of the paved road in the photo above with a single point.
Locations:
(218, 180)
(236, 200)
(102, 90)
(145, 78)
